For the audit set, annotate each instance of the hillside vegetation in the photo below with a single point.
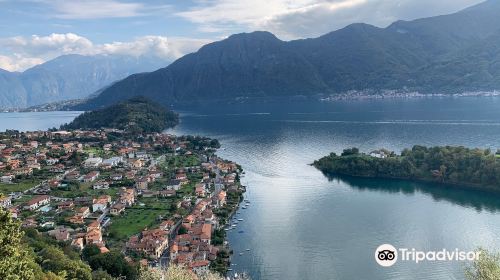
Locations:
(449, 165)
(136, 115)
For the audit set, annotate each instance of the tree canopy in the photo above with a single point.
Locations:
(487, 267)
(136, 115)
(15, 260)
(451, 165)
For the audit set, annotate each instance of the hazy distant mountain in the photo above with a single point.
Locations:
(450, 53)
(68, 77)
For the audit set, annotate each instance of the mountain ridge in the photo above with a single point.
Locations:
(423, 55)
(68, 77)
(406, 56)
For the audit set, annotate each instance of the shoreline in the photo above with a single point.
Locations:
(394, 94)
(61, 106)
(454, 167)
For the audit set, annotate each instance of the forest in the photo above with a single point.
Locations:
(448, 165)
(136, 115)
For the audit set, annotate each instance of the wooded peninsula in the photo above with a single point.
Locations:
(479, 168)
(136, 115)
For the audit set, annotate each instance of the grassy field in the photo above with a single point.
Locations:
(17, 187)
(182, 161)
(99, 152)
(137, 218)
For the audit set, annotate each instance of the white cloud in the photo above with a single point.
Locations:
(309, 18)
(47, 45)
(99, 9)
(217, 15)
(17, 63)
(29, 51)
(87, 9)
(159, 46)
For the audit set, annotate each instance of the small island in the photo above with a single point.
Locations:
(136, 115)
(458, 166)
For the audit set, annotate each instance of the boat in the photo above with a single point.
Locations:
(240, 220)
(244, 207)
(247, 250)
(241, 254)
(240, 231)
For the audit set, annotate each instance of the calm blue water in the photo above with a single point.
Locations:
(35, 120)
(302, 225)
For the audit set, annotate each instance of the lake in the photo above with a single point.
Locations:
(303, 225)
(35, 120)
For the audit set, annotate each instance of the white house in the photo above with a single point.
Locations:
(101, 203)
(99, 206)
(200, 267)
(101, 185)
(7, 178)
(378, 154)
(116, 177)
(141, 155)
(37, 202)
(91, 177)
(51, 161)
(92, 162)
(114, 161)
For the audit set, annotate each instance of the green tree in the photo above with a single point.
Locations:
(177, 273)
(89, 251)
(487, 267)
(101, 275)
(114, 264)
(15, 261)
(182, 230)
(53, 259)
(349, 152)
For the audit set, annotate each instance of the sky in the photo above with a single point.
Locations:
(34, 31)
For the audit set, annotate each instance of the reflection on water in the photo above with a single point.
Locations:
(479, 200)
(300, 225)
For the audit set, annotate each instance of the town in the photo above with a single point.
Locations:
(158, 198)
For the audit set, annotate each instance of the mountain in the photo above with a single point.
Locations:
(12, 89)
(446, 54)
(68, 77)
